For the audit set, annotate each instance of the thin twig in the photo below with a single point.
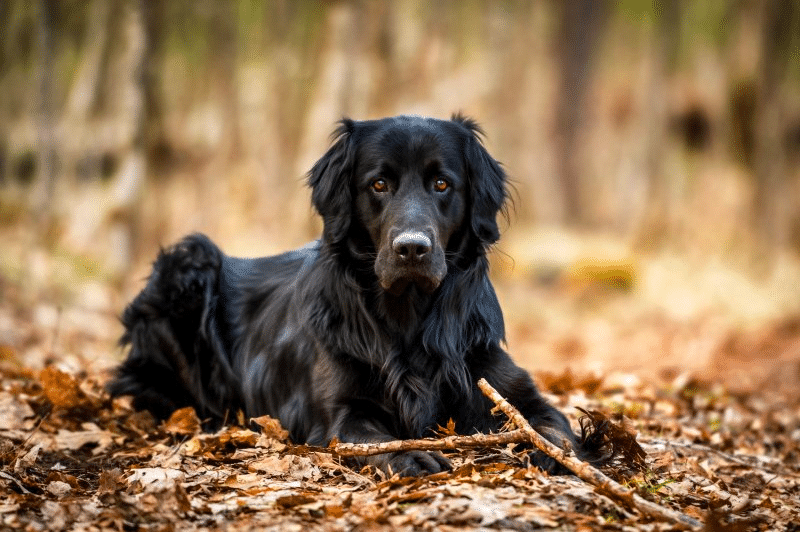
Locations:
(347, 449)
(15, 481)
(583, 470)
(33, 432)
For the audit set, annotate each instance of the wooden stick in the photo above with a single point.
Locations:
(479, 440)
(585, 471)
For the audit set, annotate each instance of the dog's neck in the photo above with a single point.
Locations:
(405, 313)
(407, 319)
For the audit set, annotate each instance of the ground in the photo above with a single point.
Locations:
(73, 459)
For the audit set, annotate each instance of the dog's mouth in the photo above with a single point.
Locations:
(398, 285)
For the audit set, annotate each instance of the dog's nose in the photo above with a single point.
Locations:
(411, 245)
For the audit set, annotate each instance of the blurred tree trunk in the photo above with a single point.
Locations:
(582, 25)
(771, 207)
(659, 209)
(152, 132)
(46, 156)
(78, 142)
(86, 87)
(223, 55)
(129, 180)
(336, 94)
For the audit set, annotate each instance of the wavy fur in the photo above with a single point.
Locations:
(311, 337)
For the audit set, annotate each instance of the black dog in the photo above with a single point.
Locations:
(376, 332)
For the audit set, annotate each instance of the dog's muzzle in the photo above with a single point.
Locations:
(414, 257)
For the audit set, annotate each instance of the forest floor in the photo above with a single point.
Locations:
(721, 449)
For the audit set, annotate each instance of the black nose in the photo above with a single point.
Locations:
(411, 245)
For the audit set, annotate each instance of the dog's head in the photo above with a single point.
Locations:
(412, 194)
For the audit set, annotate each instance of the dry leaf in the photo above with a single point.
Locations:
(59, 489)
(446, 431)
(237, 437)
(110, 481)
(14, 414)
(91, 434)
(294, 500)
(155, 479)
(29, 459)
(61, 388)
(184, 421)
(271, 427)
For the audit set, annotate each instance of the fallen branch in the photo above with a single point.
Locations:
(583, 470)
(347, 449)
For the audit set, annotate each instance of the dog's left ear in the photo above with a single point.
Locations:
(487, 184)
(329, 180)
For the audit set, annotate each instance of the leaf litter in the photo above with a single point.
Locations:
(726, 452)
(71, 458)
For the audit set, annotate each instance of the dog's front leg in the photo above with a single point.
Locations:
(354, 426)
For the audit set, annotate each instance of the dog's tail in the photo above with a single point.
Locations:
(171, 328)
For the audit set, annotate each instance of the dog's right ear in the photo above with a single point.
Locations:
(330, 179)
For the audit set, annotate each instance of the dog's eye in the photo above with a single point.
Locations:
(440, 185)
(379, 185)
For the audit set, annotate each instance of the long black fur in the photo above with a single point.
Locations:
(317, 337)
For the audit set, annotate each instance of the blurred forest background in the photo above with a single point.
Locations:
(654, 148)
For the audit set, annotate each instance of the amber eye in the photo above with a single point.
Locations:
(440, 185)
(379, 185)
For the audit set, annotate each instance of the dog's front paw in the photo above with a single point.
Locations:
(415, 463)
